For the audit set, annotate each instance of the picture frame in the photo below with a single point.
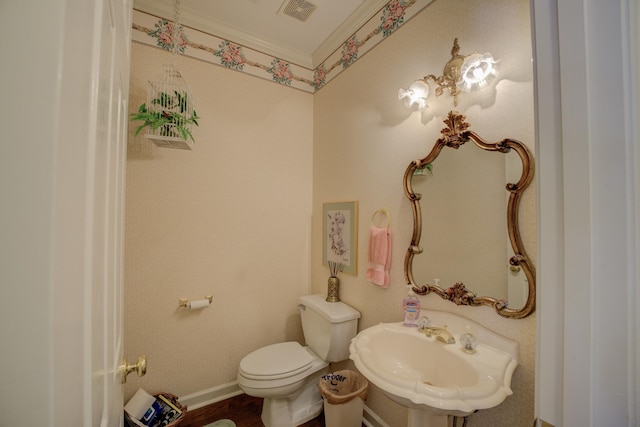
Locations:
(340, 235)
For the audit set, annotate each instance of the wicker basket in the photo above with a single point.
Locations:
(174, 400)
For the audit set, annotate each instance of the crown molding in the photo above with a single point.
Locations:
(360, 17)
(191, 18)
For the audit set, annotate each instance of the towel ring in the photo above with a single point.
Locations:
(383, 211)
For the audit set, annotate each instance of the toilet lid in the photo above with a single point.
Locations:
(276, 361)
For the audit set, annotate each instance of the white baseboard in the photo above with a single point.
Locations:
(211, 395)
(370, 419)
(225, 391)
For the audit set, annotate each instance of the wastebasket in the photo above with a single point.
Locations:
(344, 393)
(161, 409)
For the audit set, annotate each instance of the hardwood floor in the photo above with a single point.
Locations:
(242, 409)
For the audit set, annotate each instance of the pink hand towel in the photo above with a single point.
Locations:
(379, 256)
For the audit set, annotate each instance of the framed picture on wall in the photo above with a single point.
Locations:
(340, 235)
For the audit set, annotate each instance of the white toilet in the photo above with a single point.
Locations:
(287, 374)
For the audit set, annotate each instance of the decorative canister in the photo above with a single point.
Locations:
(332, 289)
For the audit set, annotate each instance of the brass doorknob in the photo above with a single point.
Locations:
(140, 367)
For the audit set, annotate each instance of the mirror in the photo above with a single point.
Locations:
(461, 183)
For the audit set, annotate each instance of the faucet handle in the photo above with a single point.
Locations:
(469, 343)
(424, 322)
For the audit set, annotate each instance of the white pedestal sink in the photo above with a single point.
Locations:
(434, 379)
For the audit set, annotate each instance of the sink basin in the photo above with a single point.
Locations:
(434, 379)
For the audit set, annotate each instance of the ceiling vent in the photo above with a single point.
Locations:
(298, 9)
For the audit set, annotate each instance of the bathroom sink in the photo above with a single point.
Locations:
(432, 378)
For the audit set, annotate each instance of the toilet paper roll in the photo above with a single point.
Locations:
(138, 405)
(201, 303)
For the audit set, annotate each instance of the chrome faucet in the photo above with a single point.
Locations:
(440, 333)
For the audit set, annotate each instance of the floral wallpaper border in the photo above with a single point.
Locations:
(148, 29)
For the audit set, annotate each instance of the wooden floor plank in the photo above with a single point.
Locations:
(243, 410)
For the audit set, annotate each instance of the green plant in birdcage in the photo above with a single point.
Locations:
(168, 113)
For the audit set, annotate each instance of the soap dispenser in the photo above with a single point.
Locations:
(411, 308)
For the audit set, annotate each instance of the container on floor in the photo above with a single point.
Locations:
(344, 393)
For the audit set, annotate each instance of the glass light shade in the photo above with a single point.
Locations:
(477, 72)
(416, 94)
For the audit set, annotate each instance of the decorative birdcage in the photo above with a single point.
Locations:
(168, 116)
(171, 102)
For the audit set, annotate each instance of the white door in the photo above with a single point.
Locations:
(65, 82)
(112, 42)
(94, 114)
(588, 67)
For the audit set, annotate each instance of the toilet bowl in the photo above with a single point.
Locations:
(289, 385)
(286, 375)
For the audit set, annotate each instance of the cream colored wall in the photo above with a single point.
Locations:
(231, 218)
(364, 138)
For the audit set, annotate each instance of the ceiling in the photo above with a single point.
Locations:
(262, 24)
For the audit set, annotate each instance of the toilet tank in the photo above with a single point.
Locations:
(328, 327)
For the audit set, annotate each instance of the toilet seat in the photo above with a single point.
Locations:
(276, 361)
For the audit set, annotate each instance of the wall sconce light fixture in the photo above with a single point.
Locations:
(461, 73)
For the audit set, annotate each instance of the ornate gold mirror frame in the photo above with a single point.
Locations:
(454, 135)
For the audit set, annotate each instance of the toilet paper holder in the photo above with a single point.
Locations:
(185, 303)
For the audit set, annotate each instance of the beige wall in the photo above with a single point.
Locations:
(240, 216)
(230, 218)
(364, 138)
